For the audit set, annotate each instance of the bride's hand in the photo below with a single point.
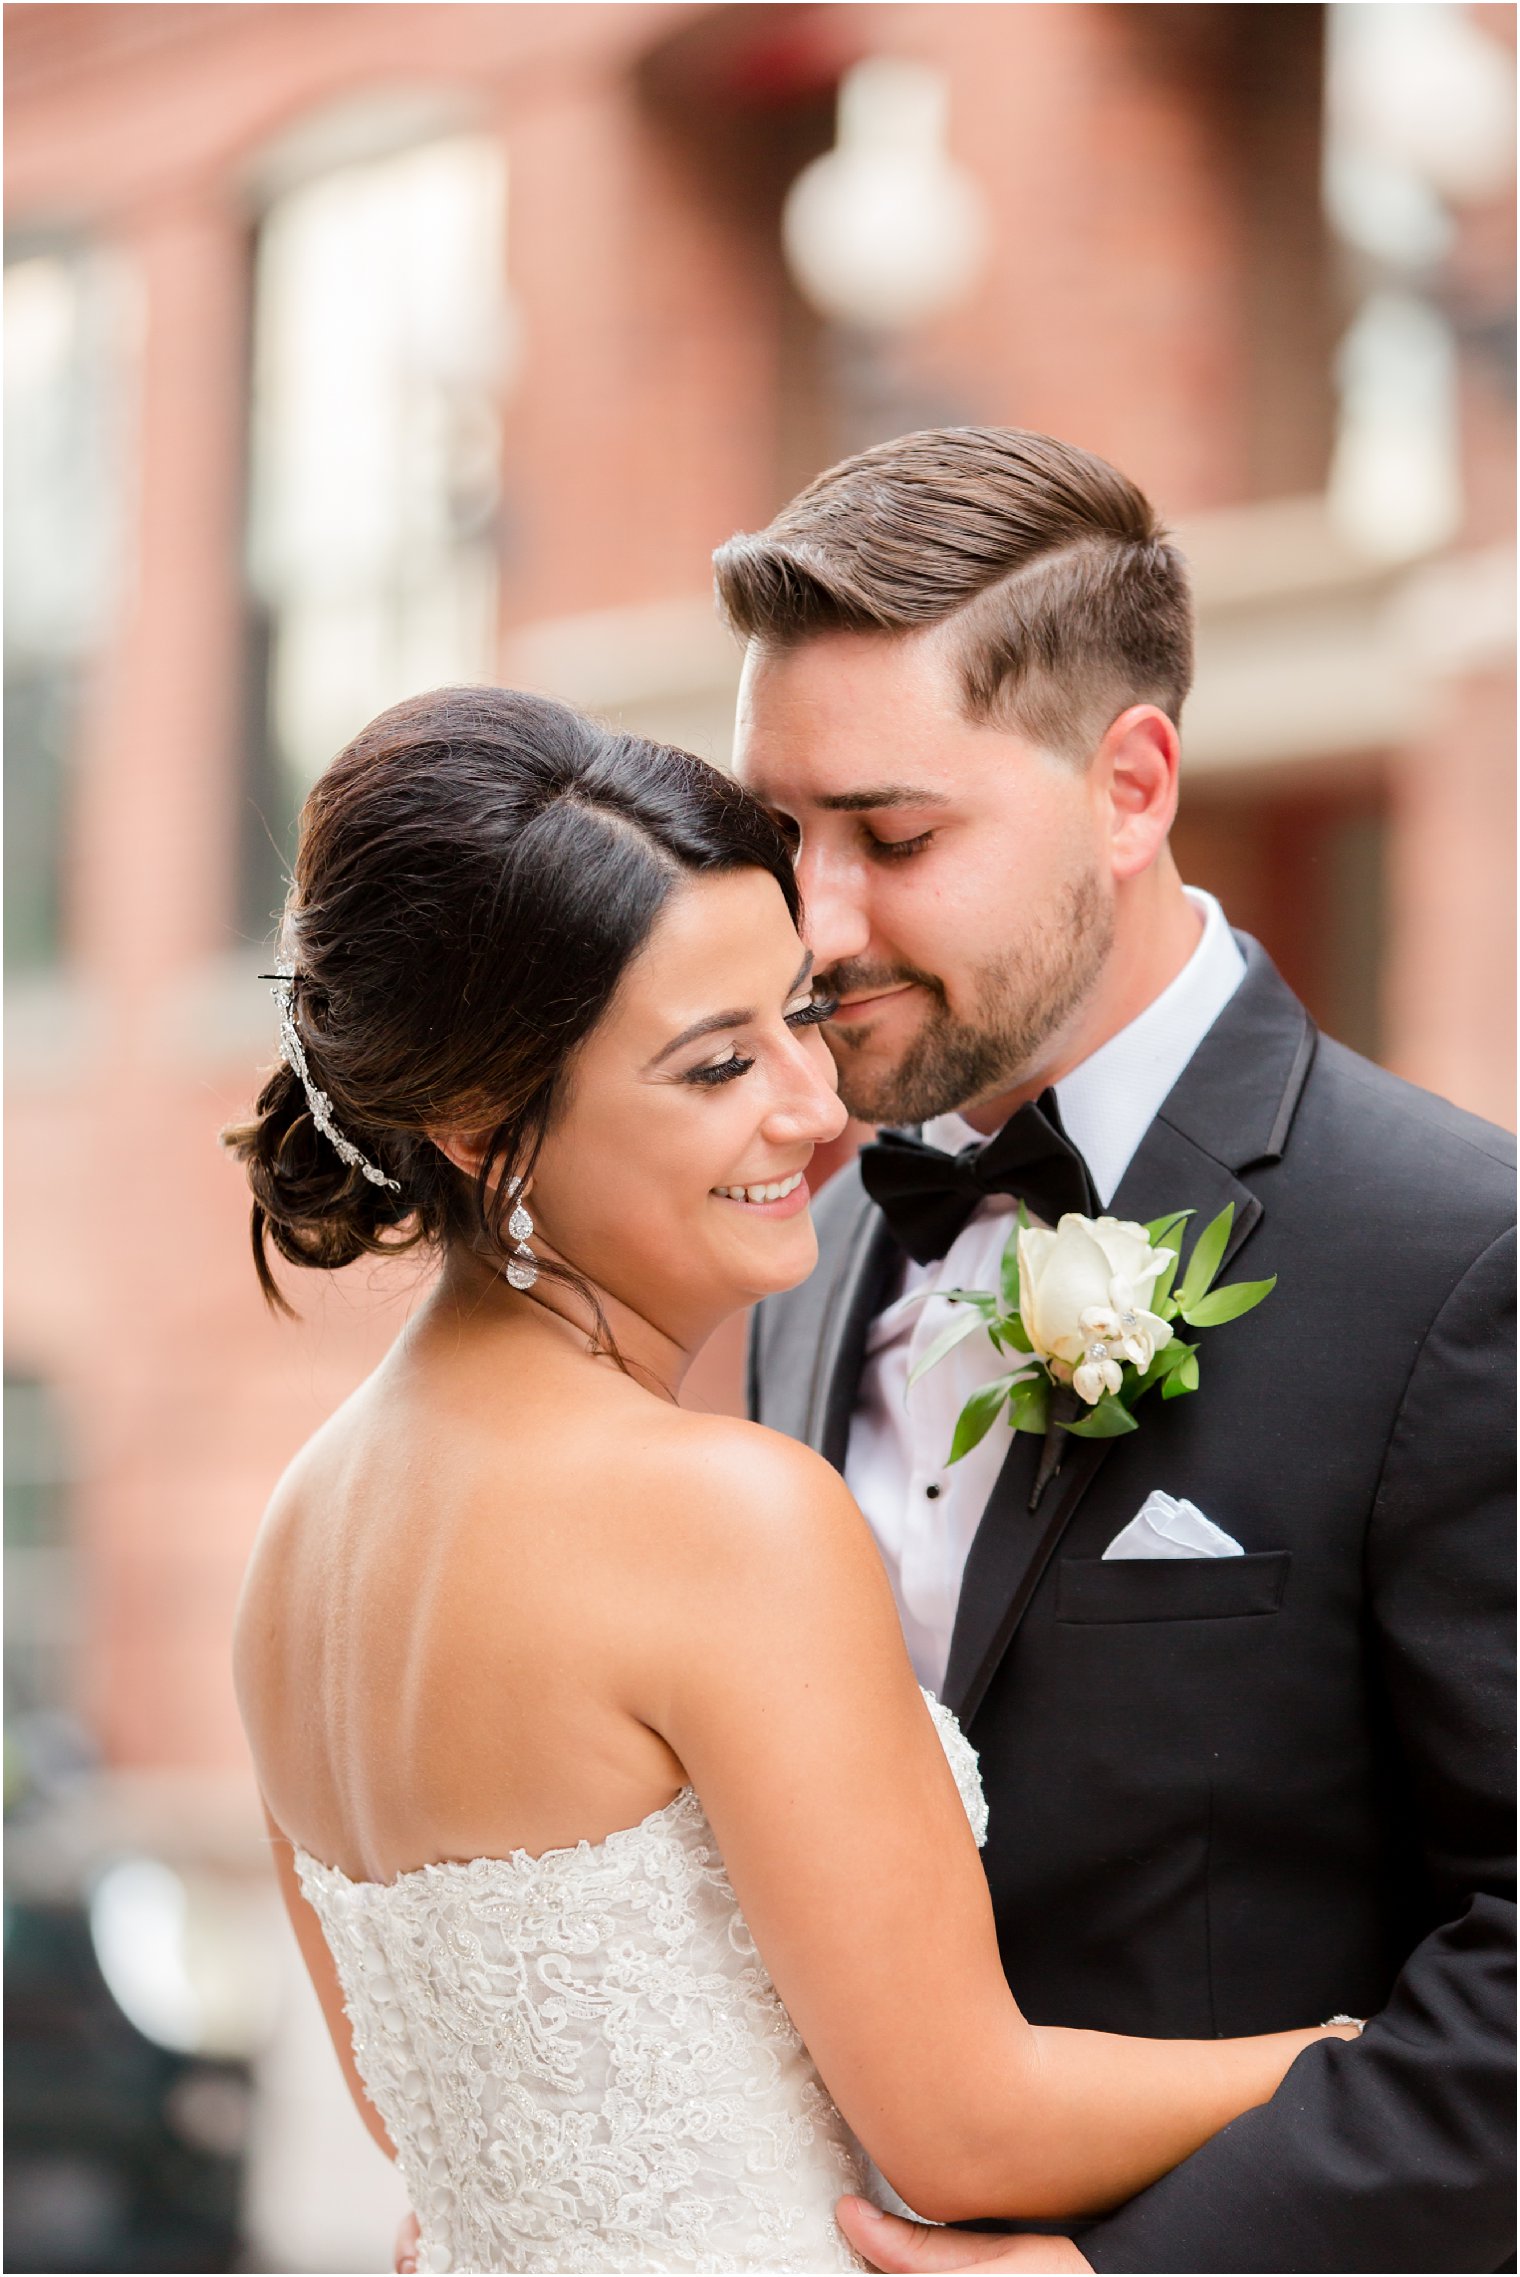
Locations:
(888, 2243)
(408, 2236)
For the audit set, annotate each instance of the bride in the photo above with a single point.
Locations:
(638, 1881)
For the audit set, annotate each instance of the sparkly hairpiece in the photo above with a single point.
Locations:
(320, 1106)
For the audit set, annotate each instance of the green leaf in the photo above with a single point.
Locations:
(946, 1341)
(1023, 1219)
(1011, 1331)
(1173, 1356)
(1008, 1273)
(982, 1299)
(1166, 1233)
(1166, 1361)
(1110, 1419)
(1183, 1379)
(978, 1415)
(1029, 1405)
(1163, 1304)
(1207, 1257)
(1220, 1305)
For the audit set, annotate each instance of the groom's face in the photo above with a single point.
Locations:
(958, 897)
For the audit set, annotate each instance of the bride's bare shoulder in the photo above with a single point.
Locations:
(730, 1448)
(754, 1552)
(729, 1489)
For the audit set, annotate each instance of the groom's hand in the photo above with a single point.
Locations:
(888, 2243)
(407, 2238)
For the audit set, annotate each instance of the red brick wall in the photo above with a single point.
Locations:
(1155, 289)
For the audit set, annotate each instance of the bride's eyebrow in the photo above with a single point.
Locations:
(714, 1022)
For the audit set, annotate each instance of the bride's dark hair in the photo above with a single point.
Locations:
(475, 872)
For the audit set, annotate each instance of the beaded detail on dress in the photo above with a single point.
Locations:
(582, 2061)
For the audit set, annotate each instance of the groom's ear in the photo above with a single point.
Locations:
(1135, 772)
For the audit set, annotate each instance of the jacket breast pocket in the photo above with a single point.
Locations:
(1171, 1589)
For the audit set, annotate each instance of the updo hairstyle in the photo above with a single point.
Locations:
(475, 873)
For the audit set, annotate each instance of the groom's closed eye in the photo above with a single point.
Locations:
(873, 802)
(898, 849)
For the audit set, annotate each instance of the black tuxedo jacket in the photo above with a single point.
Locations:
(1242, 1794)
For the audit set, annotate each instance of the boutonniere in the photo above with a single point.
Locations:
(1089, 1310)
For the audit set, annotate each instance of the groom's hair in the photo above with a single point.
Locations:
(1065, 601)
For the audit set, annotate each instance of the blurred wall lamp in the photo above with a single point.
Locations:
(884, 231)
(193, 1959)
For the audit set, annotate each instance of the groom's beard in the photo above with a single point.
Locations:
(1023, 999)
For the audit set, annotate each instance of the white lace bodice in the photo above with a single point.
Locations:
(582, 2061)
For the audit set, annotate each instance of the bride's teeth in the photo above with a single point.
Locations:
(756, 1194)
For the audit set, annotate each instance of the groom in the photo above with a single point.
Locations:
(1250, 1769)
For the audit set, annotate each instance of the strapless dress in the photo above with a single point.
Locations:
(582, 2060)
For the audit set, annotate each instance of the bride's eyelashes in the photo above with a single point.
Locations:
(806, 1015)
(724, 1071)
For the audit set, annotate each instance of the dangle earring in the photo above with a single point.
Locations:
(522, 1271)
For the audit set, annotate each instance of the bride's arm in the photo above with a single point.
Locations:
(322, 1969)
(775, 1669)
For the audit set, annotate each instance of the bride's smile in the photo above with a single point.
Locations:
(784, 1199)
(671, 1173)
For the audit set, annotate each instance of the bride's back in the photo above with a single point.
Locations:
(549, 1992)
(435, 1650)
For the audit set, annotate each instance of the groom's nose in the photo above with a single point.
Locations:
(836, 918)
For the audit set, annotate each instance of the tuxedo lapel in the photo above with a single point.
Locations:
(870, 1259)
(1013, 1546)
(1231, 1108)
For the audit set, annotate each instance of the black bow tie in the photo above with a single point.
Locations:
(927, 1196)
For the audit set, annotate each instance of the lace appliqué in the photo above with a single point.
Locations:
(966, 1765)
(582, 2061)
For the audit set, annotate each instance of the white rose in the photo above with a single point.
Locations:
(1084, 1293)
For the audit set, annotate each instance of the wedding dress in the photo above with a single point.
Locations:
(583, 2063)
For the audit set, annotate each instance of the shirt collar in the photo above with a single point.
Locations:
(1109, 1101)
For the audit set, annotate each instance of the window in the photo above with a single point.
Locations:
(39, 1584)
(67, 348)
(379, 344)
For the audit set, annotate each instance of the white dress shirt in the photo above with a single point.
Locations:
(922, 1513)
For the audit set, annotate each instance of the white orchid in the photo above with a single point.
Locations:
(1127, 1329)
(1098, 1374)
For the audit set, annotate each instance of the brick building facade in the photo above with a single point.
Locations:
(355, 348)
(1162, 284)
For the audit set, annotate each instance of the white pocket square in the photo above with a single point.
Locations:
(1163, 1527)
